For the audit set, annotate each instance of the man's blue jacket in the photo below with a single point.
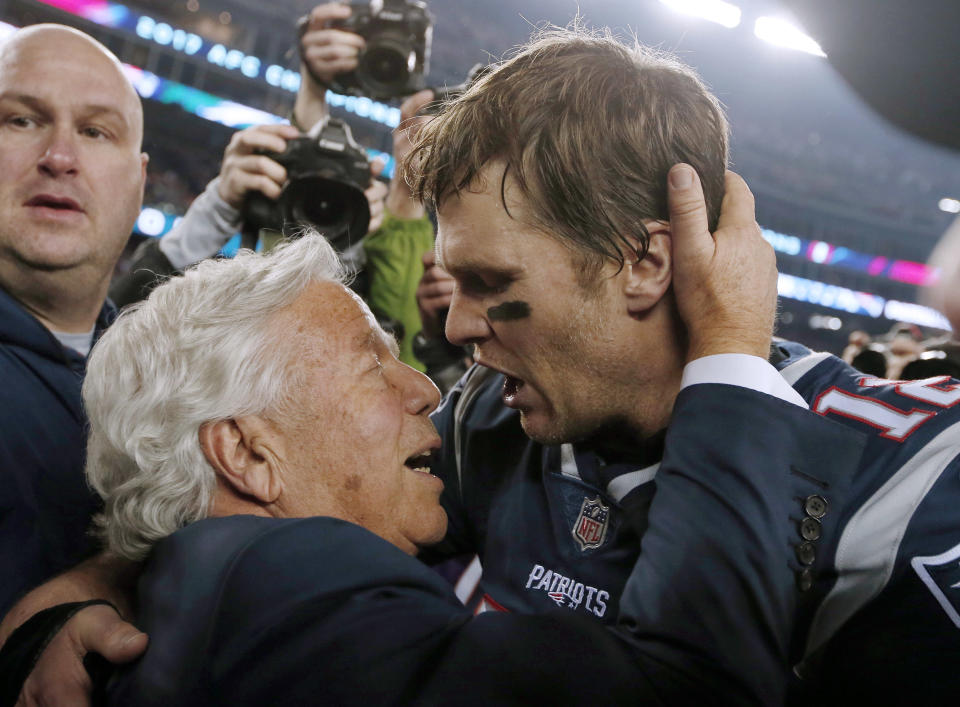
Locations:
(45, 504)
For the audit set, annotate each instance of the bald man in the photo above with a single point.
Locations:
(71, 186)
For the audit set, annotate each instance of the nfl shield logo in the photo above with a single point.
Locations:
(590, 530)
(941, 574)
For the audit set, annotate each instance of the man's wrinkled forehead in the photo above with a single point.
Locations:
(370, 334)
(467, 234)
(373, 338)
(30, 52)
(333, 317)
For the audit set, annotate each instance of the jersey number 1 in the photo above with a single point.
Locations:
(894, 423)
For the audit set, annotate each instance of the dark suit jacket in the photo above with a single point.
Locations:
(250, 611)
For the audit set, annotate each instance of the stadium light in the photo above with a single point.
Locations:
(782, 33)
(723, 13)
(951, 206)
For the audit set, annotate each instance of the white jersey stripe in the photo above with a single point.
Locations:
(869, 544)
(621, 485)
(796, 370)
(919, 566)
(469, 580)
(568, 462)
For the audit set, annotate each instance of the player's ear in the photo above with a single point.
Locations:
(646, 281)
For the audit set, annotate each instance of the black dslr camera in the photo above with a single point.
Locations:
(396, 58)
(326, 176)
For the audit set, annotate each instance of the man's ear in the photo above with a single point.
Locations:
(647, 280)
(246, 453)
(144, 159)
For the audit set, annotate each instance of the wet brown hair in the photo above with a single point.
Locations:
(588, 127)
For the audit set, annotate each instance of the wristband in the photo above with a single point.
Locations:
(23, 648)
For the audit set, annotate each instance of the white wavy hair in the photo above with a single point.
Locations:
(197, 350)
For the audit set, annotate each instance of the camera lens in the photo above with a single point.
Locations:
(322, 211)
(339, 211)
(386, 65)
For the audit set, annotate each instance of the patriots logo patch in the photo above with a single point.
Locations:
(941, 575)
(590, 529)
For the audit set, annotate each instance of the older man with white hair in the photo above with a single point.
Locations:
(263, 387)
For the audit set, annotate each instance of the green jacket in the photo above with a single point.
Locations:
(394, 267)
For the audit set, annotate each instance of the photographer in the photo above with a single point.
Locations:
(399, 232)
(380, 50)
(215, 215)
(393, 253)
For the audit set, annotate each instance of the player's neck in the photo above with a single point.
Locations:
(656, 371)
(655, 403)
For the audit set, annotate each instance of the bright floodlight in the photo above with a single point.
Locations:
(784, 34)
(951, 206)
(723, 13)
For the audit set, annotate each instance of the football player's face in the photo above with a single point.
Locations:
(519, 300)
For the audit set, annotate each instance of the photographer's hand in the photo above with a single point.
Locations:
(324, 53)
(243, 170)
(328, 52)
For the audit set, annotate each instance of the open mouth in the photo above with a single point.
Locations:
(54, 202)
(511, 387)
(421, 463)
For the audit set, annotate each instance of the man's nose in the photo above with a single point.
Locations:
(422, 395)
(60, 156)
(466, 322)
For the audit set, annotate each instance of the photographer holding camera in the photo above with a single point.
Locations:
(332, 51)
(328, 53)
(269, 178)
(379, 49)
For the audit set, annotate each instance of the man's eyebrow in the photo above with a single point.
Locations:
(362, 340)
(477, 267)
(373, 338)
(393, 344)
(37, 104)
(379, 336)
(41, 106)
(471, 263)
(98, 109)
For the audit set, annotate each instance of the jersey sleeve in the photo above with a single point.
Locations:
(896, 561)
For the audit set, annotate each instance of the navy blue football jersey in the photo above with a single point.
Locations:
(549, 532)
(560, 526)
(886, 626)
